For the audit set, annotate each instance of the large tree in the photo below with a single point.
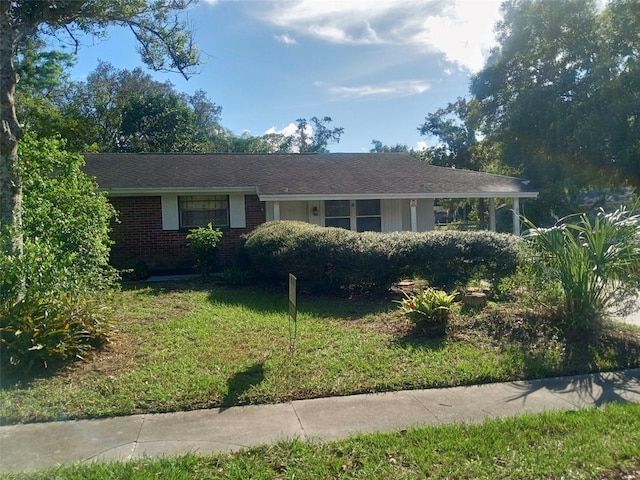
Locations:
(165, 43)
(455, 126)
(315, 138)
(97, 104)
(158, 122)
(129, 111)
(560, 95)
(44, 81)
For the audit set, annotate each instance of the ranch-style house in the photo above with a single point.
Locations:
(159, 197)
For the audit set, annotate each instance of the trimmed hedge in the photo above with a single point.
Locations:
(333, 258)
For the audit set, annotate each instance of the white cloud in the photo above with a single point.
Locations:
(464, 33)
(291, 130)
(287, 131)
(461, 30)
(286, 39)
(389, 89)
(421, 146)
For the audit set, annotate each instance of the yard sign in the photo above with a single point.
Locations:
(293, 313)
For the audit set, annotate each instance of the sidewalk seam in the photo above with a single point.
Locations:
(137, 439)
(304, 432)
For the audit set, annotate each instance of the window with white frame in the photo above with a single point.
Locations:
(359, 215)
(200, 210)
(368, 218)
(337, 213)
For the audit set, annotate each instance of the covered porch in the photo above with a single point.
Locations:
(378, 213)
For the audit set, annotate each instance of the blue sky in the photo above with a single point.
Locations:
(376, 67)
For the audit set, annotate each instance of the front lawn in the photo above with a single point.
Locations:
(188, 346)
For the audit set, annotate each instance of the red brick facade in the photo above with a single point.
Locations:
(139, 236)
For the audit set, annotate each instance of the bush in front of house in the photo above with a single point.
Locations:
(53, 295)
(204, 243)
(44, 322)
(448, 259)
(333, 258)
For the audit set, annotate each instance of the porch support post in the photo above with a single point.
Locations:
(516, 216)
(492, 214)
(276, 210)
(430, 214)
(414, 215)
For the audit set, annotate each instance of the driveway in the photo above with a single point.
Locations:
(634, 317)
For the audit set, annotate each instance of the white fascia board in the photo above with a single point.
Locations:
(482, 195)
(393, 196)
(144, 192)
(332, 196)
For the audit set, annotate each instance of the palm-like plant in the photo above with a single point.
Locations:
(596, 261)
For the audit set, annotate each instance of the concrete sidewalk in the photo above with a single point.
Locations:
(36, 446)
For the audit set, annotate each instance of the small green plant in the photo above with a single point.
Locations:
(429, 304)
(37, 331)
(204, 242)
(236, 276)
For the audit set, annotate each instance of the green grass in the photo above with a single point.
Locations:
(183, 347)
(599, 443)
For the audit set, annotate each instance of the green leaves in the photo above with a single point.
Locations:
(129, 111)
(429, 304)
(560, 94)
(327, 257)
(157, 122)
(37, 331)
(50, 294)
(64, 213)
(203, 243)
(165, 41)
(596, 260)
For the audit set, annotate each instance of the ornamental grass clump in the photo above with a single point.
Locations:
(429, 305)
(596, 261)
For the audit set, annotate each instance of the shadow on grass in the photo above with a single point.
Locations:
(161, 288)
(605, 347)
(240, 383)
(424, 335)
(10, 379)
(547, 347)
(270, 298)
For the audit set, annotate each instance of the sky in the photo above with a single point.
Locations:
(376, 67)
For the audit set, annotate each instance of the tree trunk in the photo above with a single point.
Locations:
(10, 133)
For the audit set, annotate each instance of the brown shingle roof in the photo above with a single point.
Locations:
(273, 175)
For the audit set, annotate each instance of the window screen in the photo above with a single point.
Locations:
(337, 213)
(200, 210)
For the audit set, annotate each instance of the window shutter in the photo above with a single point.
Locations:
(170, 212)
(237, 211)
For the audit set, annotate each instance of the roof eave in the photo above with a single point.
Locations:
(251, 190)
(154, 191)
(391, 196)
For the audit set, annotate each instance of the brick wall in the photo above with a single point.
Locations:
(139, 236)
